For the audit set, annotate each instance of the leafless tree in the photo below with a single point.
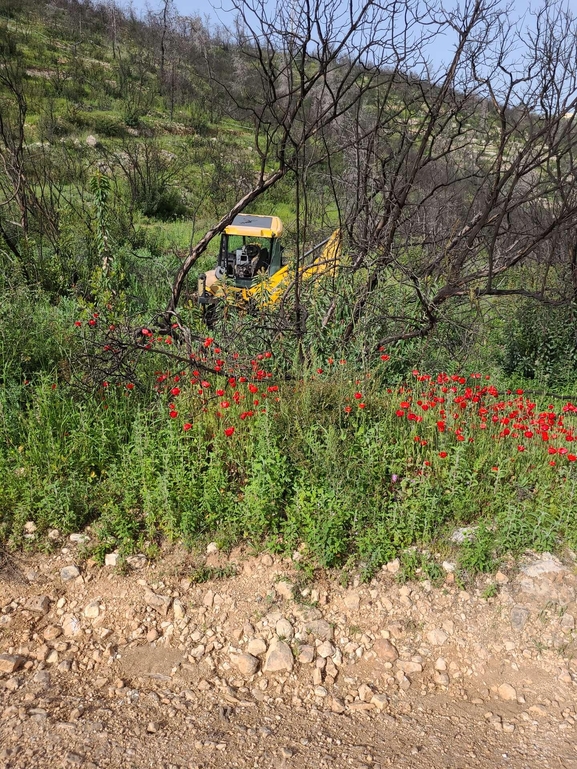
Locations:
(299, 70)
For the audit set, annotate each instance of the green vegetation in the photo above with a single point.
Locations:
(326, 425)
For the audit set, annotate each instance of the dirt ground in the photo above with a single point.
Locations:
(102, 667)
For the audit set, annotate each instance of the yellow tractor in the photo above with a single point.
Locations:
(251, 266)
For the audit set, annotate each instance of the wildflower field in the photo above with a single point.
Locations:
(351, 465)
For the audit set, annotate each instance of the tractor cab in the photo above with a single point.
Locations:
(249, 246)
(250, 249)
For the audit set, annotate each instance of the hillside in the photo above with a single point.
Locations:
(426, 384)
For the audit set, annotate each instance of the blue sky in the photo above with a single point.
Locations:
(440, 50)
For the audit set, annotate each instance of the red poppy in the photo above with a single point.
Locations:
(77, 322)
(362, 405)
(175, 391)
(130, 386)
(229, 431)
(173, 414)
(520, 448)
(186, 426)
(224, 404)
(348, 409)
(571, 457)
(253, 388)
(208, 341)
(442, 454)
(358, 396)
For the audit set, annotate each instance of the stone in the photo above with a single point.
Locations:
(111, 559)
(385, 650)
(208, 599)
(69, 572)
(39, 604)
(519, 616)
(441, 664)
(284, 629)
(320, 628)
(543, 566)
(365, 693)
(507, 692)
(211, 548)
(91, 140)
(247, 664)
(336, 705)
(42, 677)
(137, 561)
(267, 560)
(464, 534)
(79, 539)
(279, 657)
(71, 625)
(306, 654)
(10, 663)
(152, 635)
(51, 632)
(54, 534)
(568, 622)
(437, 637)
(408, 666)
(29, 527)
(160, 603)
(92, 610)
(151, 727)
(393, 566)
(256, 646)
(501, 579)
(449, 566)
(352, 601)
(326, 649)
(538, 710)
(178, 609)
(441, 679)
(285, 590)
(380, 701)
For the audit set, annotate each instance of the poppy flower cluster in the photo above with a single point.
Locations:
(456, 409)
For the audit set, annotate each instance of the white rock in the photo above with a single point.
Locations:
(256, 646)
(111, 559)
(437, 637)
(247, 664)
(279, 657)
(69, 572)
(92, 610)
(393, 566)
(285, 590)
(352, 601)
(507, 692)
(284, 629)
(178, 609)
(326, 649)
(79, 539)
(543, 566)
(211, 548)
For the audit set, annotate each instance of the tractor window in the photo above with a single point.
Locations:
(243, 256)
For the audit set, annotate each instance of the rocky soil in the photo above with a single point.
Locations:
(146, 668)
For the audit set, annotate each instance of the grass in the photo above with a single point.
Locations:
(335, 465)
